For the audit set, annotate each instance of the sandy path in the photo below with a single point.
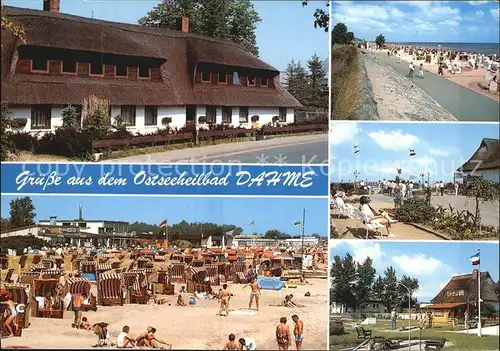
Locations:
(397, 97)
(193, 327)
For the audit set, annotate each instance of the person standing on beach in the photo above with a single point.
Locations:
(440, 69)
(224, 297)
(421, 71)
(412, 70)
(393, 319)
(77, 305)
(255, 293)
(283, 335)
(298, 331)
(456, 188)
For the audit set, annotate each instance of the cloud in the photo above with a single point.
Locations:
(394, 140)
(495, 13)
(438, 152)
(426, 26)
(418, 265)
(478, 2)
(343, 132)
(360, 251)
(425, 161)
(449, 23)
(479, 14)
(397, 13)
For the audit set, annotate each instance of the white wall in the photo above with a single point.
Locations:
(25, 112)
(266, 114)
(489, 174)
(35, 230)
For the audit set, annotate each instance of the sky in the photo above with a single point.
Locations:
(421, 21)
(441, 148)
(286, 31)
(268, 213)
(433, 264)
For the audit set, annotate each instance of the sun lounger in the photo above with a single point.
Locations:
(109, 289)
(360, 218)
(21, 296)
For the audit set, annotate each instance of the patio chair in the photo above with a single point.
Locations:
(360, 218)
(363, 333)
(436, 344)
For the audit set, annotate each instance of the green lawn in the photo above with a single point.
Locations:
(460, 341)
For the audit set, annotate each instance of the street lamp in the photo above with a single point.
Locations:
(409, 311)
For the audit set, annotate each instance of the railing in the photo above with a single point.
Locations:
(148, 139)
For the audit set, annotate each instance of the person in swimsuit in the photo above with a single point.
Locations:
(224, 297)
(11, 305)
(255, 293)
(283, 335)
(85, 324)
(231, 344)
(124, 339)
(149, 339)
(180, 301)
(298, 331)
(77, 303)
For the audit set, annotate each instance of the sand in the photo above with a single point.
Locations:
(195, 327)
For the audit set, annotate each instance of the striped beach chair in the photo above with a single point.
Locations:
(102, 268)
(51, 273)
(238, 272)
(48, 287)
(88, 270)
(37, 267)
(109, 289)
(8, 276)
(176, 271)
(48, 263)
(196, 279)
(212, 273)
(21, 296)
(198, 263)
(137, 289)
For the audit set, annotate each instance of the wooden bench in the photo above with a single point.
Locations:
(363, 333)
(435, 344)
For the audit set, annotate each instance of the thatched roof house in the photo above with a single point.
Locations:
(485, 161)
(177, 74)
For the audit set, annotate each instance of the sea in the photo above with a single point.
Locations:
(482, 48)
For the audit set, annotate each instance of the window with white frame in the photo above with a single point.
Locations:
(40, 117)
(127, 114)
(151, 115)
(211, 114)
(243, 115)
(227, 112)
(282, 114)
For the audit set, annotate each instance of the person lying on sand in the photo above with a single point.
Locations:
(85, 324)
(180, 301)
(231, 344)
(124, 339)
(159, 300)
(150, 339)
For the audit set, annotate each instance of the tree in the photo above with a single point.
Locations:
(378, 288)
(319, 95)
(342, 274)
(6, 145)
(273, 234)
(234, 20)
(349, 37)
(298, 82)
(70, 117)
(365, 276)
(410, 283)
(20, 242)
(482, 190)
(22, 212)
(380, 40)
(321, 17)
(339, 34)
(390, 296)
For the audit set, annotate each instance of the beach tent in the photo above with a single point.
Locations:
(270, 283)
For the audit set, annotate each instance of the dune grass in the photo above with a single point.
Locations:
(345, 81)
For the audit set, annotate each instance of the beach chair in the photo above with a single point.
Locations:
(212, 274)
(238, 272)
(22, 261)
(102, 268)
(37, 267)
(4, 261)
(88, 270)
(176, 272)
(21, 296)
(82, 286)
(196, 279)
(360, 218)
(51, 273)
(48, 263)
(197, 263)
(28, 277)
(8, 276)
(43, 288)
(109, 289)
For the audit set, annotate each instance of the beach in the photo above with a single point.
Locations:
(195, 327)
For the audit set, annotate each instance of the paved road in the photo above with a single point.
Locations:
(489, 210)
(464, 104)
(306, 149)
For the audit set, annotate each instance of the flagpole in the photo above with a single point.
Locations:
(166, 232)
(479, 296)
(303, 225)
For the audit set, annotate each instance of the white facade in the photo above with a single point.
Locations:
(489, 174)
(249, 241)
(32, 230)
(177, 113)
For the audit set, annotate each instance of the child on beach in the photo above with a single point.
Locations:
(180, 301)
(85, 324)
(421, 71)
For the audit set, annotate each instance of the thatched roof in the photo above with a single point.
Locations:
(487, 156)
(468, 283)
(181, 53)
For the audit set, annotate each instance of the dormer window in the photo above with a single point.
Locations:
(39, 65)
(264, 82)
(251, 81)
(236, 78)
(222, 77)
(96, 68)
(205, 76)
(121, 71)
(144, 72)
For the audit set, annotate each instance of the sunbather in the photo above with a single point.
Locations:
(125, 339)
(370, 213)
(150, 339)
(231, 344)
(180, 301)
(11, 308)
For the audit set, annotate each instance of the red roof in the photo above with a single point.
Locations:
(446, 305)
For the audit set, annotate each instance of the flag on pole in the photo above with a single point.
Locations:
(297, 224)
(252, 223)
(356, 149)
(475, 259)
(412, 152)
(164, 224)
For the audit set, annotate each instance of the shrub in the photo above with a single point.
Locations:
(254, 118)
(6, 145)
(66, 142)
(275, 119)
(19, 243)
(202, 119)
(337, 329)
(70, 117)
(18, 122)
(23, 141)
(416, 210)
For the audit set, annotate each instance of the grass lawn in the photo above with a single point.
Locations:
(460, 341)
(344, 80)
